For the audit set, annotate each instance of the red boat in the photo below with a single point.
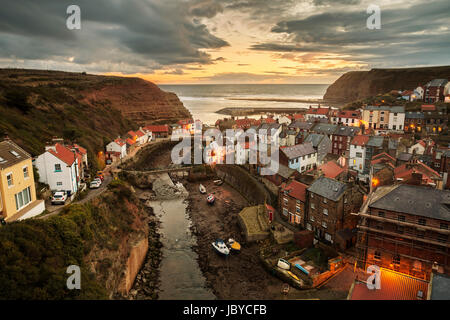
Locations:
(210, 198)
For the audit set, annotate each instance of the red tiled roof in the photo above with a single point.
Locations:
(244, 123)
(131, 133)
(80, 149)
(422, 143)
(269, 207)
(269, 120)
(331, 169)
(298, 116)
(428, 107)
(349, 114)
(140, 133)
(406, 170)
(382, 156)
(323, 111)
(394, 286)
(296, 189)
(157, 128)
(360, 140)
(130, 142)
(120, 142)
(63, 154)
(185, 121)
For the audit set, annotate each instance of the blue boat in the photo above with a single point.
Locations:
(302, 269)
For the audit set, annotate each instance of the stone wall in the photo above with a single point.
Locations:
(245, 183)
(133, 265)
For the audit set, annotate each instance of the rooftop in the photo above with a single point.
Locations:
(295, 189)
(394, 286)
(360, 140)
(314, 138)
(11, 153)
(331, 169)
(415, 200)
(298, 150)
(328, 188)
(325, 128)
(346, 131)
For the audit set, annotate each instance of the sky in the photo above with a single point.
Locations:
(224, 41)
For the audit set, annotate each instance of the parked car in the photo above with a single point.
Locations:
(98, 179)
(94, 184)
(59, 197)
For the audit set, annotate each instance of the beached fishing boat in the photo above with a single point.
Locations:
(210, 198)
(283, 264)
(234, 245)
(293, 276)
(221, 247)
(218, 182)
(299, 267)
(202, 188)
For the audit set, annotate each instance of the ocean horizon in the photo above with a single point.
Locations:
(203, 100)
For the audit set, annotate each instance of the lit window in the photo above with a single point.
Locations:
(325, 212)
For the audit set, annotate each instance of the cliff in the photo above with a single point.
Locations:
(36, 105)
(106, 238)
(358, 85)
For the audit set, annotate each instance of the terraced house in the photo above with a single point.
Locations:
(405, 228)
(17, 191)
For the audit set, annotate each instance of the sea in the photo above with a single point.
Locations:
(204, 100)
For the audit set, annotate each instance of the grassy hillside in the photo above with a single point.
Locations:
(36, 105)
(34, 254)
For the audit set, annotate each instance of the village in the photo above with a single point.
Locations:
(354, 189)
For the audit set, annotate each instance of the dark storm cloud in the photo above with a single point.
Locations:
(132, 32)
(408, 35)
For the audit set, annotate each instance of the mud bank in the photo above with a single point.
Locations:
(240, 276)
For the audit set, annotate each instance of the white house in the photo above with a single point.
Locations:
(283, 119)
(418, 148)
(301, 157)
(358, 154)
(58, 167)
(317, 113)
(418, 93)
(396, 118)
(118, 146)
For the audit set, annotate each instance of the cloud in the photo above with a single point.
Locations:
(409, 35)
(134, 35)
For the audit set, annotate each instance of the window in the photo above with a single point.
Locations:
(312, 195)
(313, 206)
(422, 222)
(297, 219)
(381, 214)
(311, 218)
(324, 224)
(324, 200)
(15, 154)
(359, 154)
(57, 167)
(442, 238)
(9, 178)
(308, 226)
(285, 211)
(400, 229)
(401, 218)
(377, 255)
(396, 259)
(297, 209)
(327, 236)
(59, 183)
(444, 226)
(325, 212)
(23, 198)
(420, 234)
(285, 201)
(25, 173)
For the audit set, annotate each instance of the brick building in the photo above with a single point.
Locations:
(341, 139)
(292, 202)
(330, 204)
(405, 228)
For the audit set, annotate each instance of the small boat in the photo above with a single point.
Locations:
(221, 247)
(202, 188)
(299, 267)
(283, 264)
(293, 276)
(234, 245)
(218, 182)
(210, 198)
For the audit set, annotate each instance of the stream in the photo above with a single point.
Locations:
(180, 274)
